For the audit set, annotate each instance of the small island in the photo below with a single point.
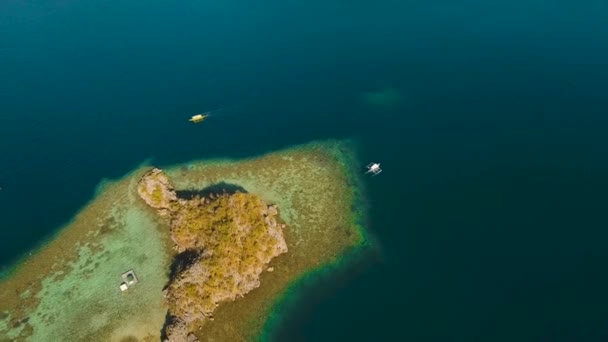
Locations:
(219, 249)
(224, 242)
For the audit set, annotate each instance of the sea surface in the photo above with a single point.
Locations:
(489, 117)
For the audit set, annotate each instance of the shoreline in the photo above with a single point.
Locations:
(318, 283)
(319, 197)
(351, 262)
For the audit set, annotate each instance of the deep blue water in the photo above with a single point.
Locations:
(490, 213)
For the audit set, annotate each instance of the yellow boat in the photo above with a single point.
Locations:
(198, 118)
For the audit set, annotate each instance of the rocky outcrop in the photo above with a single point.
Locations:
(228, 241)
(156, 190)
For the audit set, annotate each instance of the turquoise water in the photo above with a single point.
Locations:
(490, 211)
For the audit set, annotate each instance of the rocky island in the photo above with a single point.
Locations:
(224, 242)
(199, 253)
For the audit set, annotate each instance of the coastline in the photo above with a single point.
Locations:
(312, 283)
(338, 158)
(313, 185)
(75, 275)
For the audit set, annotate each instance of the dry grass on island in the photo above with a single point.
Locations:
(223, 241)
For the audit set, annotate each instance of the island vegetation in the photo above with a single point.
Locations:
(223, 243)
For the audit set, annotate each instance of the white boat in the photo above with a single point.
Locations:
(374, 168)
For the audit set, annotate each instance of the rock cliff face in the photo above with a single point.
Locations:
(224, 242)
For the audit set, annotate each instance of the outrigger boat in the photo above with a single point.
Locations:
(198, 118)
(373, 168)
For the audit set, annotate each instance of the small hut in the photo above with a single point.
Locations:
(128, 279)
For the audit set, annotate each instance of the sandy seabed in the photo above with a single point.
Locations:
(68, 291)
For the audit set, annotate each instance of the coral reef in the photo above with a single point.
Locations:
(313, 185)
